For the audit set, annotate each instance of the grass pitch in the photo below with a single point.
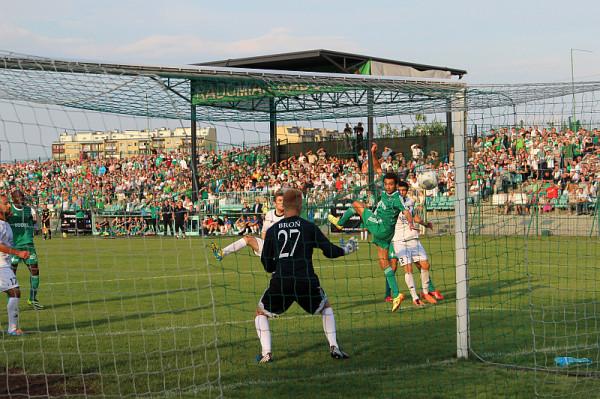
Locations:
(159, 317)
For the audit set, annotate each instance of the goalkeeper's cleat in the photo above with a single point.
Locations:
(217, 252)
(429, 298)
(396, 302)
(418, 303)
(388, 298)
(35, 304)
(268, 358)
(17, 332)
(334, 221)
(437, 295)
(337, 353)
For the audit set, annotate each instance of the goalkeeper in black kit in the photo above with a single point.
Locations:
(287, 254)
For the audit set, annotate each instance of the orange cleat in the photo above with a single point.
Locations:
(437, 295)
(429, 298)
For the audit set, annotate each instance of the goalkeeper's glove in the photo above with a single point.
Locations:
(350, 246)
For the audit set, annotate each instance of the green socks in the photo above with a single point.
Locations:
(431, 286)
(390, 276)
(346, 216)
(35, 283)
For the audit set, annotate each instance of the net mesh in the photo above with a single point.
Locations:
(154, 316)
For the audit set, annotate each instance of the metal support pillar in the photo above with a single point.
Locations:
(194, 155)
(449, 136)
(273, 130)
(370, 134)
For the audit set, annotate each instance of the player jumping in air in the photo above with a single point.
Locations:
(22, 222)
(407, 247)
(380, 223)
(287, 254)
(8, 279)
(256, 243)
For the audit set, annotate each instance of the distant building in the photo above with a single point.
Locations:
(296, 134)
(124, 144)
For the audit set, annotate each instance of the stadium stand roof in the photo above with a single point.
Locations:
(321, 60)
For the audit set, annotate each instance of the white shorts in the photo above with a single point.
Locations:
(260, 242)
(409, 252)
(8, 280)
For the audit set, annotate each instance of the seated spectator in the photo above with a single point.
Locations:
(226, 227)
(583, 202)
(572, 195)
(210, 225)
(548, 207)
(241, 225)
(253, 224)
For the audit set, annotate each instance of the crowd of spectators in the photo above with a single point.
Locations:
(534, 166)
(545, 165)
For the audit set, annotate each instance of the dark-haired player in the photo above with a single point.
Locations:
(22, 221)
(407, 248)
(287, 254)
(380, 223)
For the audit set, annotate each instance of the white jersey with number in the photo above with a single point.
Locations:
(270, 219)
(6, 238)
(405, 243)
(402, 231)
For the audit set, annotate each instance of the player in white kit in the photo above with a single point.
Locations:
(407, 248)
(256, 243)
(8, 280)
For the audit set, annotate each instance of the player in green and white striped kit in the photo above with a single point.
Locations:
(22, 222)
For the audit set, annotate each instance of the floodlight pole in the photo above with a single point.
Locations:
(273, 130)
(573, 80)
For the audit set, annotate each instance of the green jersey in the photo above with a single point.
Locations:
(388, 208)
(22, 224)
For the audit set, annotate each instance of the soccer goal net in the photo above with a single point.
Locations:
(158, 183)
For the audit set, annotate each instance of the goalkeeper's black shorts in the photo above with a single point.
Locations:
(282, 292)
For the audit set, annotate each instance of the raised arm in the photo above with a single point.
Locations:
(376, 164)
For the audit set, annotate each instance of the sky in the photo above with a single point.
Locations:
(495, 41)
